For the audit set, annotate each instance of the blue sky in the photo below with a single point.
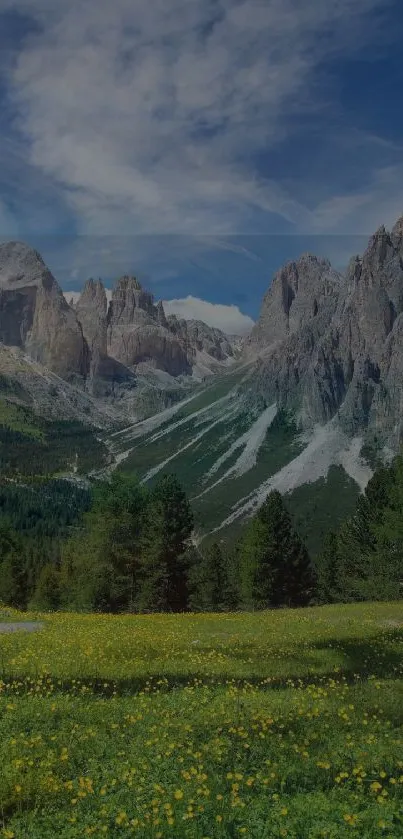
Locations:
(198, 143)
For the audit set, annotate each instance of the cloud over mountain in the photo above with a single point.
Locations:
(227, 318)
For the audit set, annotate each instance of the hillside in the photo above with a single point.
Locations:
(229, 450)
(314, 401)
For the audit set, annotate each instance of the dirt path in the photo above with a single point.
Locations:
(16, 626)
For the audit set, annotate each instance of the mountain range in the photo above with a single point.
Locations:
(124, 359)
(312, 399)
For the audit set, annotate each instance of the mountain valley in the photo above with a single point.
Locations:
(307, 404)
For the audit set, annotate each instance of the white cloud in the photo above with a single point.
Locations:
(147, 115)
(228, 318)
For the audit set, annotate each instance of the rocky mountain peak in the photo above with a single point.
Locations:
(161, 317)
(91, 310)
(301, 291)
(128, 297)
(129, 282)
(34, 314)
(93, 293)
(332, 345)
(380, 250)
(22, 266)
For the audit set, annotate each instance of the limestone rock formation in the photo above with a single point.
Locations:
(202, 342)
(108, 378)
(35, 316)
(330, 345)
(303, 293)
(137, 332)
(91, 311)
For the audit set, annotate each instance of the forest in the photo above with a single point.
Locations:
(119, 546)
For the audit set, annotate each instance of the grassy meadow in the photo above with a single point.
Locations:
(275, 724)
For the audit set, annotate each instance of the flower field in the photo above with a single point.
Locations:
(275, 724)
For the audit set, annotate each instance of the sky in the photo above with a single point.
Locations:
(198, 144)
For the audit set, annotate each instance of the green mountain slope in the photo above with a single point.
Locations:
(229, 448)
(33, 446)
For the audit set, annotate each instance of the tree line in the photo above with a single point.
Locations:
(127, 547)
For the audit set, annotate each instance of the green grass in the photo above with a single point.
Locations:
(21, 419)
(266, 725)
(10, 615)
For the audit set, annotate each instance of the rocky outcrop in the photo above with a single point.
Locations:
(108, 378)
(138, 332)
(114, 354)
(35, 316)
(303, 294)
(201, 339)
(91, 311)
(331, 345)
(208, 340)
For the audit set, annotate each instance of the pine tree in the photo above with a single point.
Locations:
(47, 591)
(326, 565)
(101, 563)
(385, 581)
(168, 526)
(209, 581)
(368, 543)
(12, 570)
(275, 566)
(254, 563)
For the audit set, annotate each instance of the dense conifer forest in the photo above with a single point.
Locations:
(120, 546)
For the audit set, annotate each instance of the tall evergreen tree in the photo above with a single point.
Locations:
(101, 563)
(363, 552)
(168, 526)
(275, 566)
(326, 565)
(210, 582)
(386, 572)
(47, 591)
(12, 570)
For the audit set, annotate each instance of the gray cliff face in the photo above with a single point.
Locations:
(303, 293)
(198, 337)
(296, 313)
(209, 340)
(353, 363)
(35, 316)
(91, 311)
(137, 331)
(107, 377)
(330, 345)
(102, 350)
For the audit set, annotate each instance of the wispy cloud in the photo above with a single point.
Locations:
(381, 202)
(148, 116)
